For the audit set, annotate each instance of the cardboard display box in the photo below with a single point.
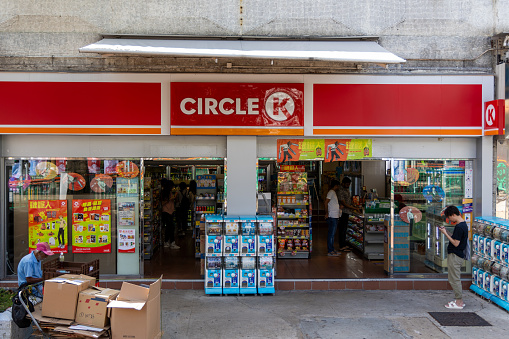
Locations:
(92, 306)
(136, 312)
(61, 295)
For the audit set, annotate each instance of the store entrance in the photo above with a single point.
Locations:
(364, 258)
(197, 189)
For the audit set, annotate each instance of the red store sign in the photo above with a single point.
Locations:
(237, 109)
(494, 117)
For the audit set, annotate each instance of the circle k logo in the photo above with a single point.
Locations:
(490, 115)
(279, 106)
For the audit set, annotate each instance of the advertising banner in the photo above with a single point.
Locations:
(237, 108)
(323, 149)
(91, 226)
(126, 240)
(47, 222)
(126, 213)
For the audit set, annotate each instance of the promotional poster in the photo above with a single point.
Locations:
(47, 222)
(91, 226)
(126, 240)
(329, 150)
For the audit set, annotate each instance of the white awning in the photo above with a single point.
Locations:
(342, 51)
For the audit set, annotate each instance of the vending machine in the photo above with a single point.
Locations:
(214, 235)
(248, 275)
(231, 279)
(248, 235)
(231, 236)
(213, 275)
(265, 239)
(266, 275)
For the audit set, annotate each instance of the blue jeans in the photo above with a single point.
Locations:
(333, 225)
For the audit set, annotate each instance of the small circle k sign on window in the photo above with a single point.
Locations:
(279, 106)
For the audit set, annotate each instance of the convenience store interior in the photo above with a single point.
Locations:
(374, 175)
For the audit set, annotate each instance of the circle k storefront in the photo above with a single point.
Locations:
(83, 156)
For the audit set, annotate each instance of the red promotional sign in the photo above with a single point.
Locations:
(91, 226)
(237, 108)
(494, 117)
(397, 109)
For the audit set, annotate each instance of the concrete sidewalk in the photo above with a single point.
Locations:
(323, 314)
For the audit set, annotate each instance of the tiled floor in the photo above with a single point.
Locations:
(181, 264)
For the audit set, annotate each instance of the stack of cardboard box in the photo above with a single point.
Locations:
(71, 300)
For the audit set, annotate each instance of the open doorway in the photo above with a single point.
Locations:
(198, 189)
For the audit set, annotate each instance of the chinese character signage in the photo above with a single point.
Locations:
(47, 222)
(328, 150)
(91, 226)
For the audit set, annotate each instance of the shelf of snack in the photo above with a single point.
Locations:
(293, 216)
(151, 217)
(374, 215)
(355, 232)
(490, 259)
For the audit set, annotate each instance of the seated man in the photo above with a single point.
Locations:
(30, 267)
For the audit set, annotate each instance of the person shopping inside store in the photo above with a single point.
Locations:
(332, 214)
(183, 205)
(168, 209)
(345, 202)
(455, 254)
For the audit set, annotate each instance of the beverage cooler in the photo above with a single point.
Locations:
(231, 236)
(266, 275)
(248, 235)
(248, 275)
(231, 275)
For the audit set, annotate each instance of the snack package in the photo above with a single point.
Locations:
(289, 245)
(282, 244)
(297, 244)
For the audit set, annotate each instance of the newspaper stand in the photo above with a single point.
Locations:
(214, 242)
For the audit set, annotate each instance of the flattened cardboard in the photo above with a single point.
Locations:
(136, 313)
(92, 306)
(61, 295)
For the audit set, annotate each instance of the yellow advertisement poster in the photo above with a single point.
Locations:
(47, 222)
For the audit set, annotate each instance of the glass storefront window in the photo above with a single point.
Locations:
(422, 189)
(78, 206)
(502, 172)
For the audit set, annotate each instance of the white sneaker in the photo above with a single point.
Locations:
(166, 244)
(174, 246)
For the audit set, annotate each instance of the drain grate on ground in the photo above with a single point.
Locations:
(459, 319)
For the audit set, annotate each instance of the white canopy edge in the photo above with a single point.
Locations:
(343, 51)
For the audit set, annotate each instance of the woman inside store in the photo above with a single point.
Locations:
(168, 209)
(192, 197)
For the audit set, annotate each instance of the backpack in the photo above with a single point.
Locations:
(466, 251)
(185, 202)
(19, 313)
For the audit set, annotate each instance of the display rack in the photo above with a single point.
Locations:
(294, 235)
(151, 217)
(355, 232)
(490, 261)
(373, 236)
(205, 204)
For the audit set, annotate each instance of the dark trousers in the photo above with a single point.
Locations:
(169, 227)
(333, 224)
(182, 219)
(343, 224)
(61, 235)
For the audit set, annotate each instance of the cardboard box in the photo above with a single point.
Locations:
(136, 312)
(61, 295)
(92, 306)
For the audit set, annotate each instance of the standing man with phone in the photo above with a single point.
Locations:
(455, 254)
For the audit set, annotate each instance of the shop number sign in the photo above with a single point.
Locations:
(237, 108)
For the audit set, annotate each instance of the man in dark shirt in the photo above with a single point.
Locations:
(455, 256)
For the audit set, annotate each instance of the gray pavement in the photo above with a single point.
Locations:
(323, 314)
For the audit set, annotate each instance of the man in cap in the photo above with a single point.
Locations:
(30, 266)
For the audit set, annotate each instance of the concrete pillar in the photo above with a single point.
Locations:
(483, 172)
(241, 175)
